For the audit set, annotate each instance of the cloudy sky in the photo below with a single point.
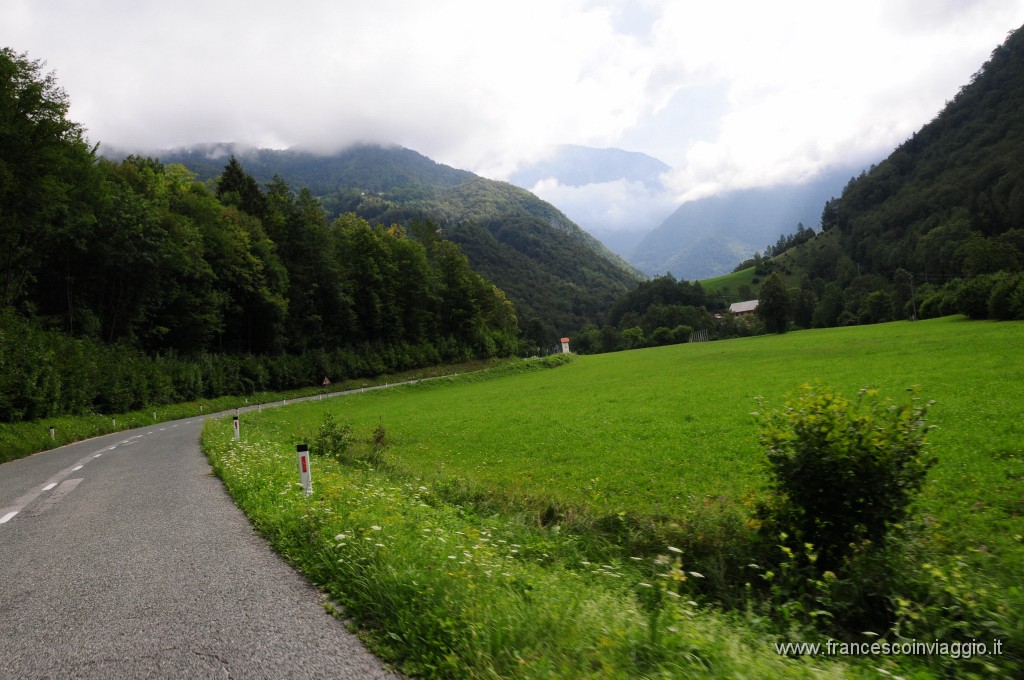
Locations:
(731, 93)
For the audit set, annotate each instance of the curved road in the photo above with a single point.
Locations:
(122, 556)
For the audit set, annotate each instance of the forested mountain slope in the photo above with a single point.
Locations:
(552, 270)
(938, 226)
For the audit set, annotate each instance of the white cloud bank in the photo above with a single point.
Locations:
(620, 205)
(797, 85)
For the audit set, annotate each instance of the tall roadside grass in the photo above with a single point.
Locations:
(445, 592)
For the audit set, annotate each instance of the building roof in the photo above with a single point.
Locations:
(743, 307)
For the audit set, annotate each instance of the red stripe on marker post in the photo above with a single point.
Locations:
(304, 473)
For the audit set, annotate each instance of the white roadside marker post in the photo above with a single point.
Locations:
(53, 434)
(235, 424)
(304, 474)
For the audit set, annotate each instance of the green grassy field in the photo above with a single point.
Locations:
(730, 283)
(664, 438)
(652, 431)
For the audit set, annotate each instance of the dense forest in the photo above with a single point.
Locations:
(202, 289)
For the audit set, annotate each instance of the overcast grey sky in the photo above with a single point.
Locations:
(731, 93)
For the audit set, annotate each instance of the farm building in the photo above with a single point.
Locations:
(740, 309)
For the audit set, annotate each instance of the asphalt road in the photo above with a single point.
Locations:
(122, 556)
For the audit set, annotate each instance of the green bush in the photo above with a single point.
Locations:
(681, 333)
(1005, 301)
(973, 296)
(841, 472)
(333, 439)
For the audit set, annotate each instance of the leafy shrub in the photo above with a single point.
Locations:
(661, 336)
(632, 338)
(973, 296)
(378, 445)
(1006, 301)
(332, 439)
(842, 472)
(681, 333)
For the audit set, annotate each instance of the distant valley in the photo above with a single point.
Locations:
(619, 197)
(710, 236)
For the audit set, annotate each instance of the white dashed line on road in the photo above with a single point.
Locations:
(8, 517)
(49, 486)
(66, 487)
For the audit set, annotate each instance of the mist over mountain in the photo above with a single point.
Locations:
(615, 195)
(575, 165)
(618, 196)
(708, 237)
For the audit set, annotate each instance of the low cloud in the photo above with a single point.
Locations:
(619, 206)
(486, 86)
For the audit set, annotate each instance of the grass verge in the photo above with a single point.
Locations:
(444, 590)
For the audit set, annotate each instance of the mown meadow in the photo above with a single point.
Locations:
(593, 518)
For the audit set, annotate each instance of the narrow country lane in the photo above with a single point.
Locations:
(122, 556)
